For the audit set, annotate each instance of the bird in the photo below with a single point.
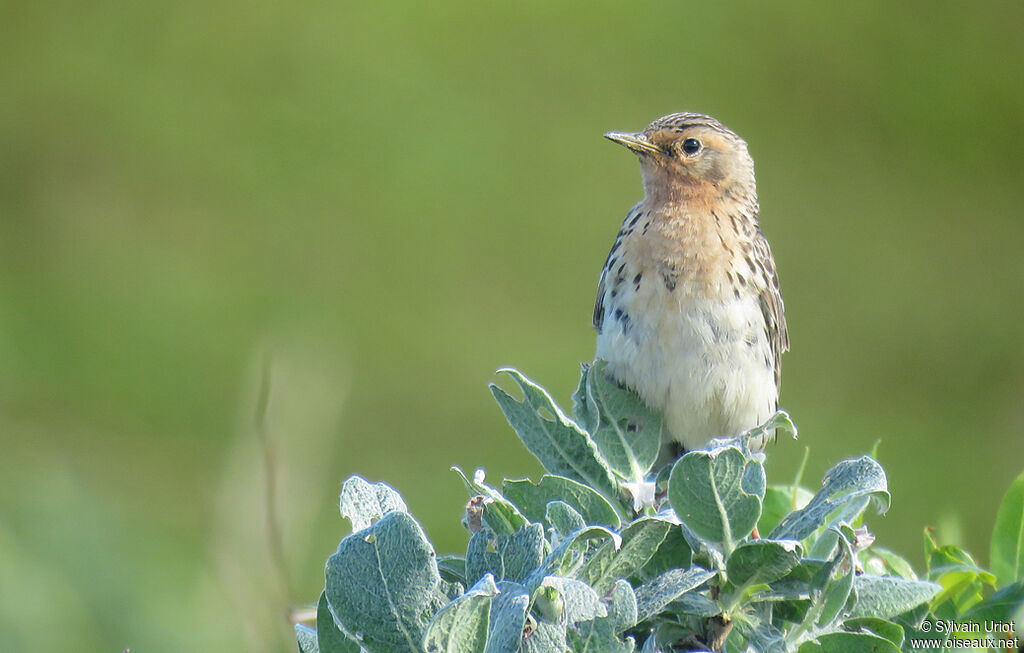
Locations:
(688, 311)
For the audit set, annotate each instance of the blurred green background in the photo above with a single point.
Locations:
(392, 200)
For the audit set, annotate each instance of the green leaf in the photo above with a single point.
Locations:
(452, 568)
(557, 442)
(563, 518)
(330, 638)
(762, 561)
(640, 541)
(883, 562)
(887, 596)
(673, 553)
(546, 637)
(1007, 550)
(627, 432)
(778, 502)
(713, 493)
(887, 629)
(565, 558)
(579, 601)
(383, 584)
(849, 643)
(655, 594)
(507, 618)
(844, 494)
(600, 635)
(306, 639)
(363, 503)
(499, 514)
(532, 499)
(960, 577)
(1002, 606)
(836, 581)
(462, 625)
(507, 557)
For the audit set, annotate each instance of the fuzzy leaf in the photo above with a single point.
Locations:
(640, 541)
(329, 637)
(655, 594)
(557, 442)
(600, 635)
(887, 629)
(888, 596)
(532, 499)
(580, 602)
(462, 625)
(779, 502)
(383, 584)
(627, 432)
(762, 561)
(563, 518)
(849, 643)
(714, 493)
(306, 639)
(845, 492)
(507, 618)
(507, 557)
(364, 503)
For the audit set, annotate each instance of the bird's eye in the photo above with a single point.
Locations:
(691, 146)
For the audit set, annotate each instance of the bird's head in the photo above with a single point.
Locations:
(689, 154)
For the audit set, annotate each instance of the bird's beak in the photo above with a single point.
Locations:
(635, 141)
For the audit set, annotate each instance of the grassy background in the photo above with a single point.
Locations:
(393, 200)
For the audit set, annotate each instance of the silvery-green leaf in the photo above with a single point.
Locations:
(600, 635)
(762, 561)
(640, 541)
(532, 499)
(887, 629)
(545, 637)
(888, 596)
(563, 518)
(658, 592)
(330, 638)
(628, 433)
(715, 494)
(849, 484)
(779, 502)
(580, 602)
(452, 568)
(382, 584)
(364, 503)
(836, 581)
(506, 557)
(507, 618)
(883, 562)
(584, 408)
(499, 514)
(841, 642)
(462, 625)
(674, 552)
(560, 445)
(567, 557)
(306, 639)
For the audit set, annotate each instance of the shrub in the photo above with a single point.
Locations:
(601, 556)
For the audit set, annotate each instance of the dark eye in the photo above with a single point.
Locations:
(691, 146)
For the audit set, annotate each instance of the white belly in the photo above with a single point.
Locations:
(705, 363)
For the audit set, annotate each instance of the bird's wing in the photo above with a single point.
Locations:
(771, 306)
(599, 302)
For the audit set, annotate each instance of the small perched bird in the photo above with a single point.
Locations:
(688, 310)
